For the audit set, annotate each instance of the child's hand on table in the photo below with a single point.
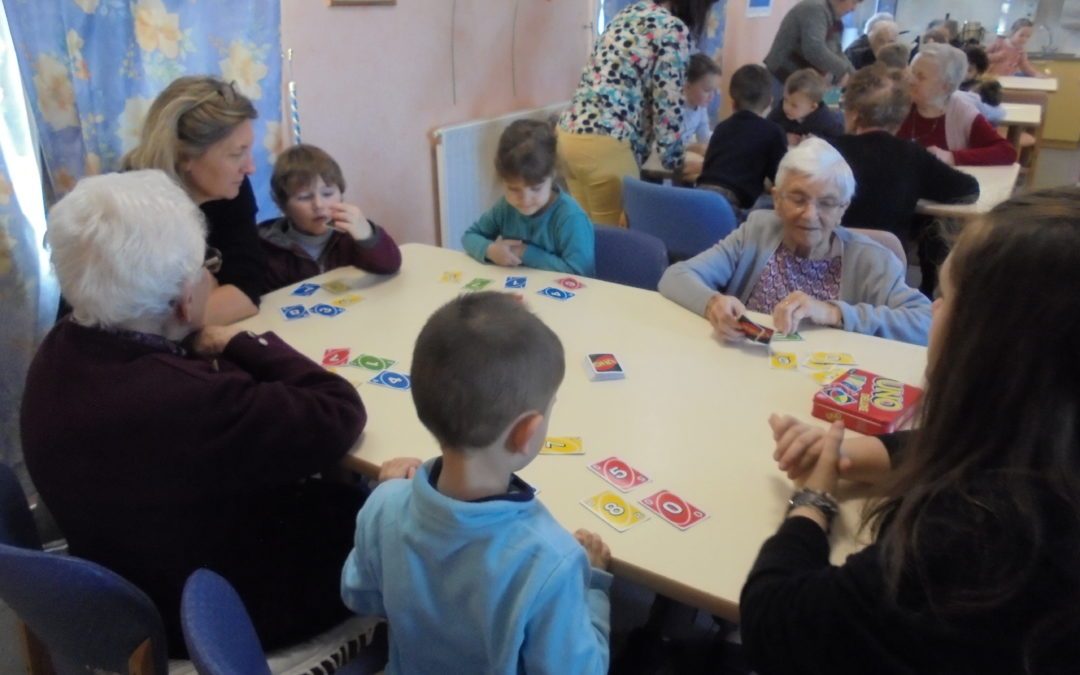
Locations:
(595, 548)
(506, 252)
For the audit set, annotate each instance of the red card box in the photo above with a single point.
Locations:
(866, 402)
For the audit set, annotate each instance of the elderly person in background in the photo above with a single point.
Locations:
(809, 37)
(797, 264)
(883, 33)
(859, 50)
(159, 456)
(949, 126)
(199, 131)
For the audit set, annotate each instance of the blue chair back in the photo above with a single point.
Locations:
(17, 526)
(629, 257)
(217, 629)
(687, 220)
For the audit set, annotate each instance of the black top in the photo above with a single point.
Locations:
(859, 52)
(744, 150)
(823, 122)
(892, 175)
(230, 225)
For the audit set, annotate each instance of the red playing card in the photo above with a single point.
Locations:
(619, 473)
(570, 283)
(337, 356)
(674, 509)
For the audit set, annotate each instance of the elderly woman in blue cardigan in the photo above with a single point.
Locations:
(797, 264)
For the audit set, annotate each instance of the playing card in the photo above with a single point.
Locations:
(451, 277)
(555, 293)
(516, 282)
(755, 332)
(336, 286)
(563, 445)
(293, 312)
(831, 359)
(347, 300)
(477, 284)
(620, 474)
(305, 289)
(787, 337)
(829, 374)
(674, 509)
(335, 356)
(614, 510)
(323, 309)
(784, 361)
(604, 367)
(371, 362)
(570, 283)
(392, 380)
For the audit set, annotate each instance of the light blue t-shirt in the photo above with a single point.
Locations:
(559, 237)
(495, 586)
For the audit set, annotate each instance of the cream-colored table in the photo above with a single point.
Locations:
(1022, 114)
(996, 184)
(691, 412)
(1047, 84)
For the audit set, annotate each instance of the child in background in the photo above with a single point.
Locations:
(472, 572)
(319, 231)
(985, 94)
(802, 113)
(1009, 56)
(894, 55)
(535, 224)
(745, 149)
(702, 78)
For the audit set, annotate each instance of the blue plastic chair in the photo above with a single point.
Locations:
(629, 257)
(77, 614)
(687, 220)
(217, 629)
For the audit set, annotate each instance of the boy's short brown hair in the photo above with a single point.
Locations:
(751, 88)
(878, 97)
(297, 167)
(480, 362)
(700, 66)
(806, 81)
(526, 152)
(894, 55)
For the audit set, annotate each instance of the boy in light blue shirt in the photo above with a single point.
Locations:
(535, 224)
(472, 572)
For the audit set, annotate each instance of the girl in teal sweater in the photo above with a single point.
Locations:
(535, 224)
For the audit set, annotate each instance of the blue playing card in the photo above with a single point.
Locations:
(323, 309)
(294, 312)
(555, 293)
(389, 378)
(516, 282)
(306, 289)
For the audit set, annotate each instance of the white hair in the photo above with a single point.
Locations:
(882, 34)
(875, 19)
(123, 245)
(820, 162)
(951, 63)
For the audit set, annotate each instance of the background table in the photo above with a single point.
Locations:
(1047, 84)
(996, 184)
(691, 412)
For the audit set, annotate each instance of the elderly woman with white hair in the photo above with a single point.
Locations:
(797, 264)
(949, 125)
(159, 455)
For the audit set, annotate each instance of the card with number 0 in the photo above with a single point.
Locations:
(614, 510)
(674, 509)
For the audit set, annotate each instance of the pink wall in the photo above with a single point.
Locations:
(373, 82)
(747, 39)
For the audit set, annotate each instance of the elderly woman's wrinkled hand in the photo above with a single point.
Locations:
(723, 312)
(399, 467)
(798, 306)
(211, 340)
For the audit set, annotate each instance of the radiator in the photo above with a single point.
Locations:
(465, 166)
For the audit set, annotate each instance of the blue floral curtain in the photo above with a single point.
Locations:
(91, 68)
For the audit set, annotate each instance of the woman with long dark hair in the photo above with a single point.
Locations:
(975, 567)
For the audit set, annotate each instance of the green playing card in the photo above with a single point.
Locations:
(372, 362)
(477, 284)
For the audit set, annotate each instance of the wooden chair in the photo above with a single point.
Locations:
(1027, 155)
(886, 239)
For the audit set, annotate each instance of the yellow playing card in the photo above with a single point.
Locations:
(451, 277)
(347, 300)
(831, 359)
(337, 286)
(563, 445)
(614, 510)
(829, 374)
(784, 361)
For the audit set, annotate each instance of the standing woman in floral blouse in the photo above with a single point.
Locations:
(630, 97)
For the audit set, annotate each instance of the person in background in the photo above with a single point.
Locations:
(809, 37)
(319, 231)
(857, 51)
(162, 445)
(535, 224)
(199, 131)
(803, 112)
(797, 264)
(984, 93)
(974, 565)
(745, 149)
(883, 33)
(628, 100)
(949, 126)
(891, 174)
(1008, 56)
(470, 569)
(702, 79)
(894, 55)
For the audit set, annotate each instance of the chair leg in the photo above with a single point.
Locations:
(35, 653)
(141, 661)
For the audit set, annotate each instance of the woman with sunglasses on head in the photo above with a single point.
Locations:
(797, 264)
(199, 131)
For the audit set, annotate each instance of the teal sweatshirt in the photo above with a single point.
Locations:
(558, 238)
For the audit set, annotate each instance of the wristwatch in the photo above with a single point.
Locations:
(822, 501)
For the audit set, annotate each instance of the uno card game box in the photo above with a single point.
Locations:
(604, 367)
(865, 402)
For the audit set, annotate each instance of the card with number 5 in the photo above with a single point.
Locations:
(614, 510)
(620, 474)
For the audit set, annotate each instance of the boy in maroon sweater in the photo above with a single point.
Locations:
(319, 231)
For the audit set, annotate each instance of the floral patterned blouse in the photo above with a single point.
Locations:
(786, 273)
(632, 87)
